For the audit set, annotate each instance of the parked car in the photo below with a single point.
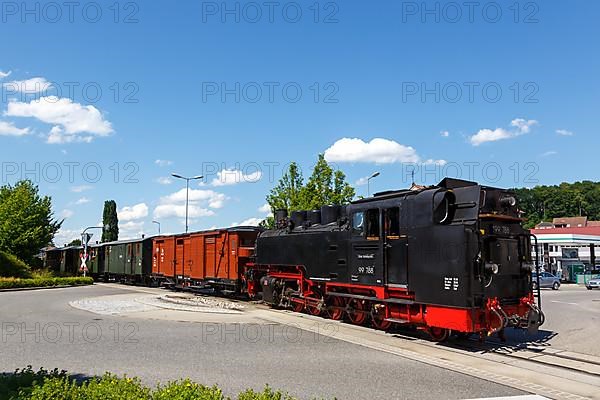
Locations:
(593, 284)
(547, 280)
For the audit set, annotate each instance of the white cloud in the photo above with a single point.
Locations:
(64, 236)
(378, 150)
(131, 230)
(69, 119)
(564, 132)
(4, 74)
(549, 153)
(522, 126)
(79, 189)
(439, 163)
(133, 213)
(361, 181)
(66, 213)
(233, 176)
(83, 200)
(29, 86)
(445, 133)
(249, 222)
(200, 204)
(163, 163)
(265, 209)
(164, 180)
(9, 129)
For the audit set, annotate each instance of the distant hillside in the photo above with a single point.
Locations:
(542, 203)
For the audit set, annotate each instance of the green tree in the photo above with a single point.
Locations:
(26, 220)
(110, 221)
(324, 187)
(75, 242)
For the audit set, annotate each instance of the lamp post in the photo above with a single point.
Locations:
(187, 193)
(157, 223)
(375, 175)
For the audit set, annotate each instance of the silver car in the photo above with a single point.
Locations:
(547, 280)
(593, 284)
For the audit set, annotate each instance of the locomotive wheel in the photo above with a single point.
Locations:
(297, 306)
(313, 309)
(357, 311)
(438, 334)
(335, 308)
(378, 316)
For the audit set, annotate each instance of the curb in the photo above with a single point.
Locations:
(41, 288)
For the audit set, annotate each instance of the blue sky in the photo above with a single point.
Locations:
(505, 93)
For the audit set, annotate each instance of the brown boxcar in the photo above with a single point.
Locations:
(214, 258)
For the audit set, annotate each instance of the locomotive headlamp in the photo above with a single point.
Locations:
(508, 201)
(492, 268)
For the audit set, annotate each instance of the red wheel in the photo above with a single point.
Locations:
(357, 311)
(378, 316)
(439, 334)
(297, 306)
(335, 308)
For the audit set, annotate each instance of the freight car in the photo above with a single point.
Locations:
(200, 260)
(126, 261)
(64, 260)
(450, 257)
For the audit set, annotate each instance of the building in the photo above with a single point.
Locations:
(567, 245)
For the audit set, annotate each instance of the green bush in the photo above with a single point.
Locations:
(57, 385)
(24, 380)
(12, 267)
(13, 283)
(187, 390)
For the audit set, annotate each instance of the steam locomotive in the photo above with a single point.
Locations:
(446, 258)
(450, 257)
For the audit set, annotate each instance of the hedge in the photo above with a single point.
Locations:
(50, 385)
(11, 266)
(13, 283)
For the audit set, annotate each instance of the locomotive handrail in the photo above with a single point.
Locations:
(537, 270)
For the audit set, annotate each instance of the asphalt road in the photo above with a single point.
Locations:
(41, 329)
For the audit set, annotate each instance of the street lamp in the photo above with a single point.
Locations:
(157, 223)
(187, 193)
(375, 175)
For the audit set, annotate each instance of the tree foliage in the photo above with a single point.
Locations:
(325, 186)
(26, 220)
(542, 203)
(110, 222)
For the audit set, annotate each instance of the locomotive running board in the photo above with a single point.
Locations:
(360, 297)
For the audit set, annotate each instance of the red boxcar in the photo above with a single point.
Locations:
(214, 258)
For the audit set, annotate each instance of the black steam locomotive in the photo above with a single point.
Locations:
(450, 257)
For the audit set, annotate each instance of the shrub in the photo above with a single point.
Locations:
(11, 266)
(266, 394)
(187, 390)
(13, 283)
(24, 380)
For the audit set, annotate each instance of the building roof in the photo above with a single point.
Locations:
(573, 230)
(572, 221)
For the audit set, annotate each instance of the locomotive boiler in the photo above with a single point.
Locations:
(452, 257)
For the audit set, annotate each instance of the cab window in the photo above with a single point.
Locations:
(373, 224)
(392, 223)
(358, 225)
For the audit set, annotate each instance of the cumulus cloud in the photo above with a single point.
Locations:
(445, 133)
(28, 86)
(164, 180)
(248, 222)
(64, 236)
(4, 74)
(131, 230)
(520, 127)
(72, 121)
(9, 129)
(378, 150)
(201, 204)
(133, 213)
(564, 132)
(163, 163)
(265, 208)
(361, 181)
(233, 176)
